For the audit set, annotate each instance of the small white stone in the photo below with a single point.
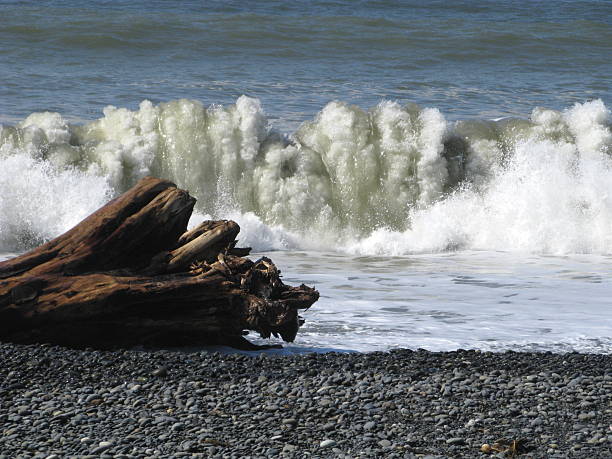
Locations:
(327, 443)
(86, 440)
(324, 389)
(105, 444)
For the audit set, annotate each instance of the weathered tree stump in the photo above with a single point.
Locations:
(131, 274)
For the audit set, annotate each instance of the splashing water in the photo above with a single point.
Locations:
(392, 180)
(446, 230)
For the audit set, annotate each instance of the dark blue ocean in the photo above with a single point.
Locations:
(483, 59)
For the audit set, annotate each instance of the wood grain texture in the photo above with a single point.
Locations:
(131, 274)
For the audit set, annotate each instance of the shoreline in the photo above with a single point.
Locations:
(402, 403)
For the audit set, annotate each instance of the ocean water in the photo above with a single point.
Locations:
(441, 172)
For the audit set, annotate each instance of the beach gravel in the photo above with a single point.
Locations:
(57, 402)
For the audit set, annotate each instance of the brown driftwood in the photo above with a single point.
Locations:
(131, 274)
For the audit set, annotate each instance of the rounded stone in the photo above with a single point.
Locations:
(327, 444)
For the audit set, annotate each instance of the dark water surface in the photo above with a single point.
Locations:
(469, 59)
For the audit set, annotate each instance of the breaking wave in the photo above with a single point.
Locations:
(391, 180)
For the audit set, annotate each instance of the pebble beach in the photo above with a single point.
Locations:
(57, 402)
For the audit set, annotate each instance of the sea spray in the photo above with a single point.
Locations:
(40, 201)
(391, 180)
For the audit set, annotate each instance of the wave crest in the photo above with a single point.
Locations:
(391, 180)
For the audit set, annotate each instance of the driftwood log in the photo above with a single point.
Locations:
(131, 274)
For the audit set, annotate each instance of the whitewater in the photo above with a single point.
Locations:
(393, 180)
(417, 230)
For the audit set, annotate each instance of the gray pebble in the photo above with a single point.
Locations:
(375, 405)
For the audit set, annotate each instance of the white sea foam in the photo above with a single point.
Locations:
(552, 195)
(470, 299)
(392, 180)
(39, 202)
